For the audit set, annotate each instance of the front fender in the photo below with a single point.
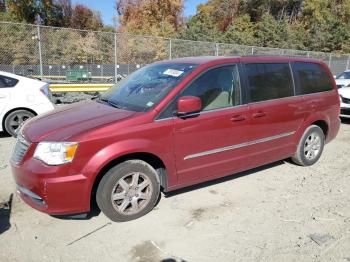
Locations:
(111, 152)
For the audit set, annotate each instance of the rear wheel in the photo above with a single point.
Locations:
(15, 119)
(310, 147)
(128, 191)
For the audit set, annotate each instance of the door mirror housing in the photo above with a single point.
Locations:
(188, 104)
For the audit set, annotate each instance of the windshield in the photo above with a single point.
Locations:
(147, 86)
(344, 75)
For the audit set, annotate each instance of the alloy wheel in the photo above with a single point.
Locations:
(131, 193)
(312, 146)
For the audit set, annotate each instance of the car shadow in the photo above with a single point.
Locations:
(223, 179)
(95, 211)
(3, 134)
(5, 213)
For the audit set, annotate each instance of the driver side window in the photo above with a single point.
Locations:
(217, 88)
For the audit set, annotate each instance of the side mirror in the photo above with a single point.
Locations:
(188, 104)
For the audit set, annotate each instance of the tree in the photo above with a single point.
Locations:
(85, 18)
(52, 13)
(155, 17)
(23, 10)
(241, 31)
(271, 32)
(2, 6)
(58, 13)
(202, 26)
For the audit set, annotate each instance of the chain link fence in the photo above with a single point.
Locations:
(70, 55)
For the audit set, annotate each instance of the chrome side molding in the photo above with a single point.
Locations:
(233, 147)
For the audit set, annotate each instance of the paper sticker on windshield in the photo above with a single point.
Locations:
(173, 72)
(149, 104)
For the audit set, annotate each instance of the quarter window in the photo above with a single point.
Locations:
(269, 81)
(312, 78)
(217, 88)
(6, 81)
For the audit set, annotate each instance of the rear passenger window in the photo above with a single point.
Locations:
(312, 78)
(269, 81)
(6, 81)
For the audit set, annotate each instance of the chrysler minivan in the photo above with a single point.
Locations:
(173, 124)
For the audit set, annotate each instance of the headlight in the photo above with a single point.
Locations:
(55, 153)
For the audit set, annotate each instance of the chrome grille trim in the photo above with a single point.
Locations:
(20, 149)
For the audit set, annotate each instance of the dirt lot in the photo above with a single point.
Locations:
(280, 212)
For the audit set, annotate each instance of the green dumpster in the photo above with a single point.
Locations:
(78, 75)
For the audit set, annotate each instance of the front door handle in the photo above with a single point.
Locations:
(2, 96)
(259, 114)
(238, 118)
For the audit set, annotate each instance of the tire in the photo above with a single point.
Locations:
(310, 147)
(15, 119)
(128, 191)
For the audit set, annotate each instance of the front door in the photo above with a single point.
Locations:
(209, 144)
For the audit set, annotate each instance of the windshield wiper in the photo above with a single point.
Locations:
(109, 102)
(96, 97)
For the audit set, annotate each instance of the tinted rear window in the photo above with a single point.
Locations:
(269, 81)
(6, 81)
(312, 78)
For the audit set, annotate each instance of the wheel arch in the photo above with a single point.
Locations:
(13, 110)
(149, 158)
(323, 125)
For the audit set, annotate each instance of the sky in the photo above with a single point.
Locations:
(107, 8)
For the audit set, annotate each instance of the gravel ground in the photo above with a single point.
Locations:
(72, 97)
(280, 212)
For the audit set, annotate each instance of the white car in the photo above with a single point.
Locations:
(343, 79)
(20, 99)
(344, 102)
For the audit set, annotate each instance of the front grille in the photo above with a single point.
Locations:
(20, 149)
(345, 111)
(345, 100)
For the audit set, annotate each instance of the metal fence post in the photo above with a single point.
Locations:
(348, 63)
(330, 60)
(170, 51)
(216, 49)
(40, 54)
(252, 50)
(115, 59)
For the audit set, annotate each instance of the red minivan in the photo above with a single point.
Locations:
(172, 124)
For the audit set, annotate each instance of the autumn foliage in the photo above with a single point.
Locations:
(155, 17)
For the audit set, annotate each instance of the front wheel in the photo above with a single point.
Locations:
(128, 191)
(310, 146)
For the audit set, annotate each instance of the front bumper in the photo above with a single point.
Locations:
(52, 189)
(345, 110)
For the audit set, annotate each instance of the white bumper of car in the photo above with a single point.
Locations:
(344, 110)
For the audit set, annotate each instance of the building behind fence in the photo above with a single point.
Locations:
(53, 53)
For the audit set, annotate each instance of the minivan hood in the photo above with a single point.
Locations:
(70, 120)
